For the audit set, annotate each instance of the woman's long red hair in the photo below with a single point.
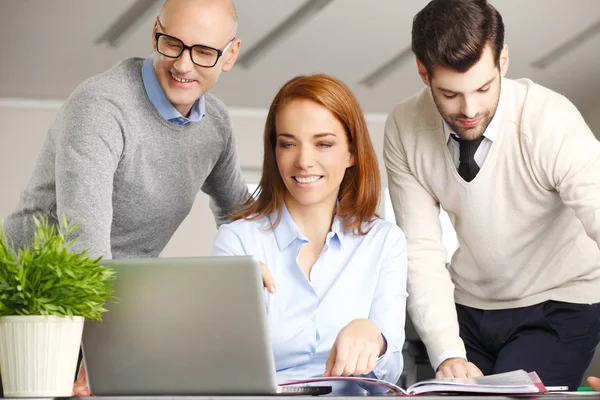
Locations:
(361, 186)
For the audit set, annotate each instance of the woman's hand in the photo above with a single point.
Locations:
(356, 349)
(267, 278)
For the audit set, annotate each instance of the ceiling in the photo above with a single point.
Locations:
(49, 47)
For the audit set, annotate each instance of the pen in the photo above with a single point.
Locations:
(585, 389)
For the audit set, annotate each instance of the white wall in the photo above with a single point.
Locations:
(23, 128)
(592, 117)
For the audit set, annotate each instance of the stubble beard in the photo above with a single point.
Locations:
(467, 133)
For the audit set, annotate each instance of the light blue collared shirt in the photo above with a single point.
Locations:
(162, 104)
(354, 277)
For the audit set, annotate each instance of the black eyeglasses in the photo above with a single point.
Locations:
(203, 56)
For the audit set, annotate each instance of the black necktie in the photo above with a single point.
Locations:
(468, 168)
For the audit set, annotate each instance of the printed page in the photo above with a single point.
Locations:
(513, 382)
(509, 382)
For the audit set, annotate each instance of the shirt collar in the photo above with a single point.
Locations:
(492, 130)
(162, 104)
(337, 231)
(287, 231)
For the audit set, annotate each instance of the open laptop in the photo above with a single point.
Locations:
(184, 326)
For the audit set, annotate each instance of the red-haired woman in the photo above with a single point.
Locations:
(340, 271)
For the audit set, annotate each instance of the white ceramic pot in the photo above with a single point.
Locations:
(38, 355)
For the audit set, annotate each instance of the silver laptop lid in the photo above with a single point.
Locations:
(183, 326)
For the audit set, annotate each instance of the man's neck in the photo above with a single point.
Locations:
(184, 110)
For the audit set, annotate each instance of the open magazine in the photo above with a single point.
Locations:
(514, 382)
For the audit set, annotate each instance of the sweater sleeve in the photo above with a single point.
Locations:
(89, 144)
(225, 184)
(431, 292)
(566, 158)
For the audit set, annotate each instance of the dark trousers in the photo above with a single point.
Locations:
(555, 339)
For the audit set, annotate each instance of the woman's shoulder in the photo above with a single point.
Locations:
(387, 234)
(246, 225)
(240, 237)
(379, 226)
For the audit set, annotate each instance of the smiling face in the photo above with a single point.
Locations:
(312, 153)
(468, 100)
(205, 22)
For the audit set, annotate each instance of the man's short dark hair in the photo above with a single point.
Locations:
(454, 33)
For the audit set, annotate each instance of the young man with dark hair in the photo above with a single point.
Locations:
(518, 170)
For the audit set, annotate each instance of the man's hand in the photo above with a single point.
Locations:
(267, 278)
(594, 382)
(457, 368)
(80, 387)
(356, 349)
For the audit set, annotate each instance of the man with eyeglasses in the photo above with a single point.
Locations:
(131, 147)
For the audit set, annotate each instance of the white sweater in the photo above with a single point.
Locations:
(528, 224)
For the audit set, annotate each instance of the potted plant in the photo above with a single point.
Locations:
(46, 293)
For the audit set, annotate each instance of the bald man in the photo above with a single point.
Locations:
(131, 147)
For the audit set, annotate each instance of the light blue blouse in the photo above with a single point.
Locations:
(354, 277)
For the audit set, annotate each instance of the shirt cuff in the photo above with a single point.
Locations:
(382, 360)
(446, 355)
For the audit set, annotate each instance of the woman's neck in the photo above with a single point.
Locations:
(313, 221)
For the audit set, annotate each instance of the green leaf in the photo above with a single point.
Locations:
(47, 278)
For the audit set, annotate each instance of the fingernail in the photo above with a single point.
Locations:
(271, 289)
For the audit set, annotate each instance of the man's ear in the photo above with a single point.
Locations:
(154, 30)
(423, 73)
(504, 60)
(234, 51)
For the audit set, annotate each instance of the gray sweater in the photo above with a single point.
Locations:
(113, 164)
